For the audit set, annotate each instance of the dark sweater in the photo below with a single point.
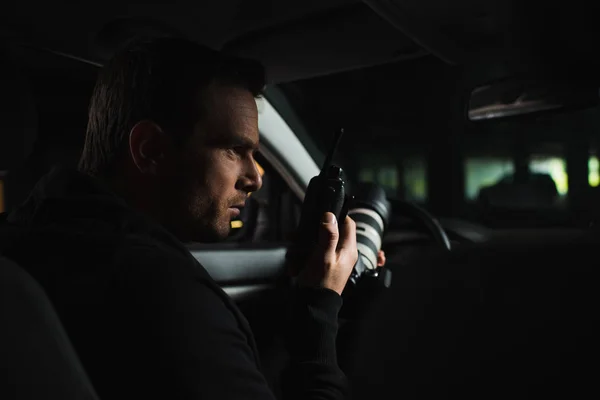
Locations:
(145, 317)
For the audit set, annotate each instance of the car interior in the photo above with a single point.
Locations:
(480, 120)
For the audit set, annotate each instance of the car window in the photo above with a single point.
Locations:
(405, 179)
(482, 171)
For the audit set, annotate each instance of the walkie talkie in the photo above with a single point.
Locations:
(325, 193)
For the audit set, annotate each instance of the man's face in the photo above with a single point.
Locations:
(215, 170)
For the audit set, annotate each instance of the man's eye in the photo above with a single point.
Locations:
(234, 151)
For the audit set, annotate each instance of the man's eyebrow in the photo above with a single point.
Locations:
(231, 140)
(245, 142)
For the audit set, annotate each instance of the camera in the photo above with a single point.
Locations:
(371, 212)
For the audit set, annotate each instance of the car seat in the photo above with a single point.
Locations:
(37, 360)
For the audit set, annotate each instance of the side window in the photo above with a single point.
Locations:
(415, 179)
(386, 176)
(271, 214)
(405, 179)
(493, 181)
(554, 168)
(483, 172)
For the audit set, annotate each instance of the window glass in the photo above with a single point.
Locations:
(594, 171)
(387, 177)
(366, 175)
(409, 183)
(415, 179)
(552, 166)
(482, 172)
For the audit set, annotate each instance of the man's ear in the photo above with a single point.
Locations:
(147, 146)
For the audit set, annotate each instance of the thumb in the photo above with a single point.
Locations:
(329, 235)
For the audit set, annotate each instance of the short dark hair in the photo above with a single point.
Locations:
(157, 79)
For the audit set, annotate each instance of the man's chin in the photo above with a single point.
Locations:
(212, 236)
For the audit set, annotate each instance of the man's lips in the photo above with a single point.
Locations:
(236, 209)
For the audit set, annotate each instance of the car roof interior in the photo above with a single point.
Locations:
(293, 38)
(298, 39)
(380, 67)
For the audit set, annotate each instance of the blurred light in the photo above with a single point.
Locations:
(482, 172)
(236, 224)
(594, 171)
(556, 168)
(366, 175)
(261, 171)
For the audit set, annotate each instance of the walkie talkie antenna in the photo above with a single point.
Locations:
(336, 141)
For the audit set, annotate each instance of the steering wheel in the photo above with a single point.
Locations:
(425, 219)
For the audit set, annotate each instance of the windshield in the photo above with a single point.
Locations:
(406, 129)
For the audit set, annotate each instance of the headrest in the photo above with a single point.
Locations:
(18, 114)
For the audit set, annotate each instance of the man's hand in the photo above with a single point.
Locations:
(331, 262)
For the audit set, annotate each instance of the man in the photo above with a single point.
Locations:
(168, 159)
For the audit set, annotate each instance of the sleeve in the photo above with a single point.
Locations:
(313, 327)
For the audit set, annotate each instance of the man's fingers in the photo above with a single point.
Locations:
(347, 243)
(329, 235)
(328, 266)
(348, 235)
(381, 258)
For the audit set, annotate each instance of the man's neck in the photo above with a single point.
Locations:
(145, 198)
(136, 195)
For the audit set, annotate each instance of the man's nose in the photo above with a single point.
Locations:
(252, 179)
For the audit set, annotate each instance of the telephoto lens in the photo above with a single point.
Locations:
(371, 212)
